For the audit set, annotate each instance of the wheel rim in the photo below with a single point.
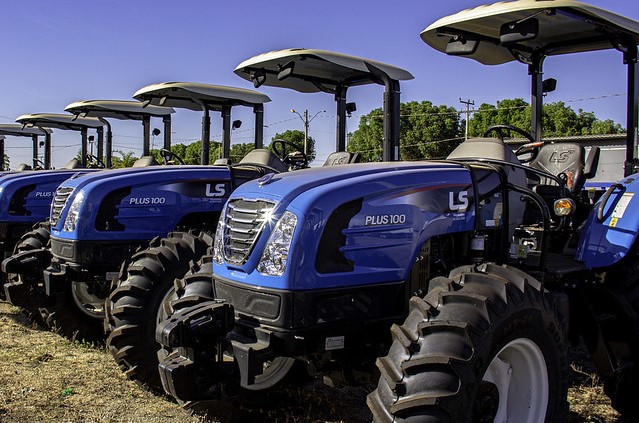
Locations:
(90, 304)
(515, 385)
(274, 371)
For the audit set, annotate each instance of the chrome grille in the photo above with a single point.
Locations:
(61, 196)
(243, 224)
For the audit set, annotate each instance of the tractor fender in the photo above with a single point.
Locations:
(612, 227)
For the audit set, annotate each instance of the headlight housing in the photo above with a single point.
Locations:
(275, 256)
(74, 210)
(218, 245)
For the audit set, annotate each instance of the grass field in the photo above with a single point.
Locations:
(46, 378)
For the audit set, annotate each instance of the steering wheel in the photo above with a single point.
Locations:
(531, 148)
(93, 160)
(278, 146)
(168, 155)
(38, 164)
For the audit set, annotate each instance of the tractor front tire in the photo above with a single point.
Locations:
(138, 302)
(37, 238)
(62, 315)
(485, 344)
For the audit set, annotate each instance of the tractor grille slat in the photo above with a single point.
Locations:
(243, 224)
(61, 196)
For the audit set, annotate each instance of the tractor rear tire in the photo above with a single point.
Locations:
(37, 238)
(619, 297)
(478, 336)
(136, 305)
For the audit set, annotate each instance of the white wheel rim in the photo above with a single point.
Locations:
(519, 372)
(89, 304)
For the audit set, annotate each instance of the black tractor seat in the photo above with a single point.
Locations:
(569, 162)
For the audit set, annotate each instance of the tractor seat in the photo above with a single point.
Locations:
(145, 161)
(342, 157)
(72, 164)
(567, 160)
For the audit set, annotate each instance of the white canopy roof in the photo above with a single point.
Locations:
(59, 121)
(313, 68)
(17, 130)
(191, 95)
(565, 26)
(117, 109)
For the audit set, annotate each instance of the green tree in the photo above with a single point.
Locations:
(515, 112)
(193, 152)
(426, 131)
(557, 119)
(126, 159)
(297, 138)
(238, 151)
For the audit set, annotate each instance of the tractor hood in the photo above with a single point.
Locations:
(26, 196)
(346, 216)
(109, 205)
(287, 186)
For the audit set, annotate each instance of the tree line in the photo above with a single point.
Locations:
(431, 131)
(426, 131)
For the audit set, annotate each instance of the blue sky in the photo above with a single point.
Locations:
(57, 52)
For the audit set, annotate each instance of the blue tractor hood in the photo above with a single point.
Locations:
(377, 212)
(25, 197)
(287, 186)
(136, 203)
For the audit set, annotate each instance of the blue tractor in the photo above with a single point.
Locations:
(30, 255)
(141, 294)
(458, 284)
(26, 196)
(99, 221)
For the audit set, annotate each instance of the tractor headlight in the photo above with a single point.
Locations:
(275, 255)
(218, 245)
(74, 210)
(564, 207)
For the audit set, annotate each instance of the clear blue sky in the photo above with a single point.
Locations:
(57, 52)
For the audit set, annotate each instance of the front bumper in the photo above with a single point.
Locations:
(193, 333)
(27, 292)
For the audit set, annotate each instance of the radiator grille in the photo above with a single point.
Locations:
(61, 196)
(244, 222)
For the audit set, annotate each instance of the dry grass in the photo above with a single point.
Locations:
(46, 378)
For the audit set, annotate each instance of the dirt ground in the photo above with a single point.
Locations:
(46, 378)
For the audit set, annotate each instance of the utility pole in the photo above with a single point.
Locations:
(468, 103)
(307, 122)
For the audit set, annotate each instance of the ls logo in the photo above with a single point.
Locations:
(217, 190)
(561, 156)
(460, 203)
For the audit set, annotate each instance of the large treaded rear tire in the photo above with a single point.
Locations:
(136, 303)
(619, 297)
(437, 366)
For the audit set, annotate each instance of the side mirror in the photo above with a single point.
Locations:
(236, 124)
(514, 32)
(548, 85)
(459, 46)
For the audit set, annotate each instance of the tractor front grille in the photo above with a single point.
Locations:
(243, 224)
(61, 196)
